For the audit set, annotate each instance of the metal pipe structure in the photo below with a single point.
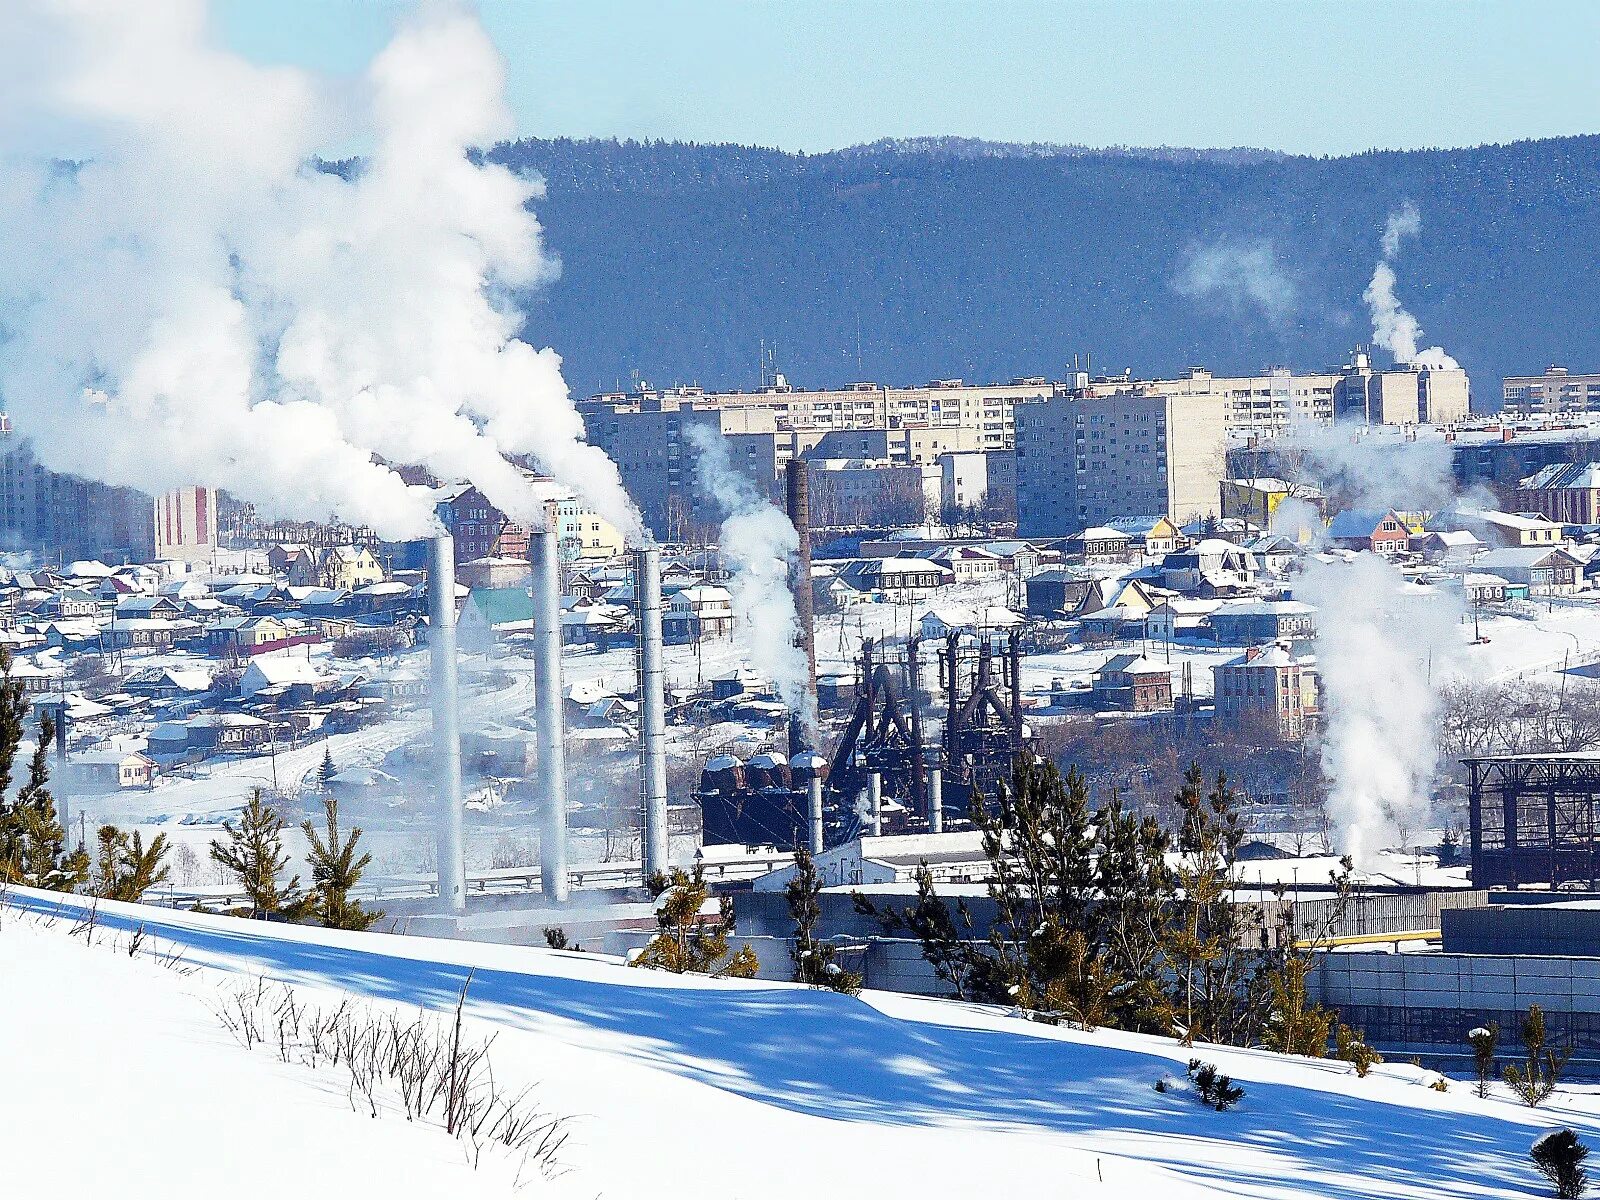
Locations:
(815, 815)
(652, 710)
(550, 739)
(935, 801)
(875, 802)
(446, 720)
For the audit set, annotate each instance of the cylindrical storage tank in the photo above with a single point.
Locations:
(807, 765)
(723, 774)
(763, 770)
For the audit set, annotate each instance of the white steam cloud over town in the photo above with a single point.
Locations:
(1060, 682)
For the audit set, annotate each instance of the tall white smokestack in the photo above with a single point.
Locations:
(652, 710)
(551, 736)
(446, 727)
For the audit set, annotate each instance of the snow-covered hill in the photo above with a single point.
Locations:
(119, 1072)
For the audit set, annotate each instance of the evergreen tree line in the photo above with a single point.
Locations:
(1103, 917)
(36, 851)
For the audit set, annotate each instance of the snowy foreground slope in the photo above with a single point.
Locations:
(119, 1075)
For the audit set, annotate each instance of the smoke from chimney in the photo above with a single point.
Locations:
(758, 545)
(1393, 328)
(195, 298)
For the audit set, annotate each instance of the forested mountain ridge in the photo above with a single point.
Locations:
(902, 261)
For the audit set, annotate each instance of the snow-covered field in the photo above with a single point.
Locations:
(120, 1079)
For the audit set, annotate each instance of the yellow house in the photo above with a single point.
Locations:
(349, 567)
(1255, 500)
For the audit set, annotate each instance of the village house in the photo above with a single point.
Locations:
(70, 604)
(347, 567)
(1503, 530)
(282, 677)
(1150, 536)
(1212, 567)
(1544, 570)
(1251, 622)
(1449, 547)
(1133, 683)
(110, 769)
(897, 580)
(1256, 500)
(227, 733)
(1180, 617)
(967, 564)
(146, 633)
(491, 614)
(698, 614)
(1057, 592)
(1267, 688)
(1380, 532)
(246, 636)
(1100, 544)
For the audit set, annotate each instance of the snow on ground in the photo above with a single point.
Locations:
(686, 1086)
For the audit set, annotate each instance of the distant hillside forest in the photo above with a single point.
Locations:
(904, 261)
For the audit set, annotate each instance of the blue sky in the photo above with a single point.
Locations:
(1311, 76)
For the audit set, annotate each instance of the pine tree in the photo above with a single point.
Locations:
(253, 854)
(1220, 991)
(1135, 887)
(335, 871)
(687, 943)
(814, 960)
(124, 868)
(44, 860)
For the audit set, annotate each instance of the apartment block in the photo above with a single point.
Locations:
(65, 517)
(1557, 392)
(1087, 458)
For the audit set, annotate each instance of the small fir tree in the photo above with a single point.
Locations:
(1351, 1046)
(1482, 1040)
(33, 846)
(253, 854)
(326, 771)
(814, 960)
(124, 868)
(688, 943)
(335, 871)
(1559, 1155)
(1541, 1067)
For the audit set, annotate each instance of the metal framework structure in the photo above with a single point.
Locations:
(1534, 818)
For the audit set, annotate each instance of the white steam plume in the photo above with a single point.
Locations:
(197, 302)
(1382, 643)
(759, 545)
(1394, 328)
(1241, 276)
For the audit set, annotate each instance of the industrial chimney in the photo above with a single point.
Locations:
(551, 736)
(652, 709)
(797, 496)
(446, 727)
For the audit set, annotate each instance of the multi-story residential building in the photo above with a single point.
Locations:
(1567, 493)
(868, 491)
(186, 524)
(1267, 688)
(1088, 458)
(1555, 393)
(68, 517)
(1410, 394)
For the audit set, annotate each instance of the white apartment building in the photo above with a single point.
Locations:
(1086, 458)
